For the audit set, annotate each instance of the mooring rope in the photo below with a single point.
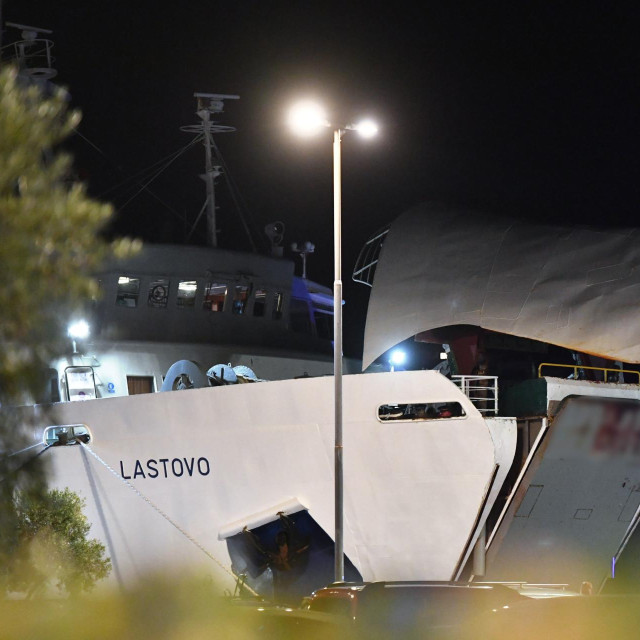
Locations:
(27, 461)
(167, 518)
(37, 444)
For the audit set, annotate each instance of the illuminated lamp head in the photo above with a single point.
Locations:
(397, 357)
(307, 118)
(78, 330)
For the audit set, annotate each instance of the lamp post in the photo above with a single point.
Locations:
(307, 118)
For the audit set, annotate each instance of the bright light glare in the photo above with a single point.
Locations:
(78, 330)
(397, 357)
(307, 118)
(367, 128)
(443, 355)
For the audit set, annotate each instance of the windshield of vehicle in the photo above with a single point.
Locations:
(402, 608)
(332, 604)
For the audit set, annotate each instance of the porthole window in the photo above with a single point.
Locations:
(187, 293)
(128, 291)
(420, 411)
(158, 293)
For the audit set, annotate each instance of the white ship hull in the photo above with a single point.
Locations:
(213, 459)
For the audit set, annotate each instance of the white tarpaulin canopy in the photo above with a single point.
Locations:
(572, 286)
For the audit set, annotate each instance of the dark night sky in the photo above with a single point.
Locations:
(529, 109)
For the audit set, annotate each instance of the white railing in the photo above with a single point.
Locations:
(481, 390)
(34, 57)
(365, 267)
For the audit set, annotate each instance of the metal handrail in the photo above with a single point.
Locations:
(483, 404)
(31, 54)
(365, 266)
(576, 367)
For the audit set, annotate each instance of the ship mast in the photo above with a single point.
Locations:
(210, 104)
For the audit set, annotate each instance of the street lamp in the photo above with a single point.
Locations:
(307, 119)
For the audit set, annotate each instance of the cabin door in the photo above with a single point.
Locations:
(139, 384)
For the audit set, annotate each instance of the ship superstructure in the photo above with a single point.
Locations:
(536, 322)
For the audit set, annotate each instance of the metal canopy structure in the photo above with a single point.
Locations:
(571, 286)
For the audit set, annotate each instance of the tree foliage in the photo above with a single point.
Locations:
(50, 247)
(53, 545)
(50, 231)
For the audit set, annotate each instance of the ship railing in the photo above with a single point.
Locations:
(365, 266)
(608, 372)
(34, 57)
(481, 390)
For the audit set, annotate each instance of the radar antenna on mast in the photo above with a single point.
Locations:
(32, 54)
(210, 104)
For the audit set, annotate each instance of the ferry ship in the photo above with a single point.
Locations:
(161, 417)
(512, 459)
(518, 464)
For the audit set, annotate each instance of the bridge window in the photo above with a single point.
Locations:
(259, 303)
(420, 412)
(240, 297)
(300, 319)
(324, 325)
(158, 293)
(276, 312)
(214, 296)
(128, 291)
(187, 293)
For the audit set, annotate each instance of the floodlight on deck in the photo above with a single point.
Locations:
(307, 118)
(398, 357)
(78, 330)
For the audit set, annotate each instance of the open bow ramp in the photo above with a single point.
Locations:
(563, 284)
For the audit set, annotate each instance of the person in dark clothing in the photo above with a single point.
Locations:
(286, 561)
(290, 547)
